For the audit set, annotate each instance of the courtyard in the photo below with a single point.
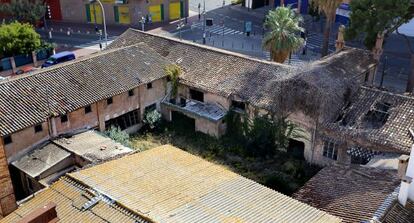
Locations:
(282, 171)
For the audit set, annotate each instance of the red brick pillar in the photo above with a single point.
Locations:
(7, 199)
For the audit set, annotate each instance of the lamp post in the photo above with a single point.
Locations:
(104, 20)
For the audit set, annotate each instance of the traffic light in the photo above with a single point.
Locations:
(49, 13)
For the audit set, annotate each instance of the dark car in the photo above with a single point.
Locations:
(59, 58)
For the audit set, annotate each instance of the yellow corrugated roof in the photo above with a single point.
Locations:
(167, 184)
(64, 194)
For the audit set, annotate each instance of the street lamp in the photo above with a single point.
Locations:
(104, 19)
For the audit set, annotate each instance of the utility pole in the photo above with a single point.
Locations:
(204, 23)
(103, 18)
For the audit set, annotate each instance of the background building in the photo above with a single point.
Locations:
(126, 12)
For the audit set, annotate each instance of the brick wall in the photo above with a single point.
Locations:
(7, 199)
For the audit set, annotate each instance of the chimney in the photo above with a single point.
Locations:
(7, 199)
(340, 41)
(45, 214)
(377, 51)
(402, 165)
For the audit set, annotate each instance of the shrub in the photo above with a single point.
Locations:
(152, 119)
(116, 134)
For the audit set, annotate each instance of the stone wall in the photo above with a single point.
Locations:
(7, 199)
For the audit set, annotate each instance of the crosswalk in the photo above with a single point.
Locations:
(94, 45)
(217, 29)
(314, 42)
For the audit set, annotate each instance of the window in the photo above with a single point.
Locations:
(149, 85)
(124, 121)
(109, 101)
(168, 78)
(330, 150)
(88, 109)
(38, 128)
(197, 95)
(131, 93)
(63, 118)
(238, 105)
(7, 139)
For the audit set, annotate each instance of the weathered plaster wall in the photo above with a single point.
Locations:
(24, 139)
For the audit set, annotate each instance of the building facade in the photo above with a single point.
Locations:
(126, 12)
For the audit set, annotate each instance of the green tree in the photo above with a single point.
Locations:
(24, 10)
(371, 17)
(380, 17)
(283, 37)
(328, 8)
(17, 38)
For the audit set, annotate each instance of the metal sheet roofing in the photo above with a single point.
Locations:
(167, 184)
(42, 159)
(66, 194)
(92, 146)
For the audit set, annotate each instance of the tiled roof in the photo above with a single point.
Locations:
(69, 197)
(264, 84)
(351, 193)
(27, 100)
(394, 134)
(167, 184)
(400, 214)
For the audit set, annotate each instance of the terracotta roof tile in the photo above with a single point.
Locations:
(351, 193)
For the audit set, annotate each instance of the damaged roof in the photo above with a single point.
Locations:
(92, 146)
(378, 118)
(166, 184)
(69, 197)
(353, 193)
(29, 99)
(317, 88)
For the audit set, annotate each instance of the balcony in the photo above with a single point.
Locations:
(193, 108)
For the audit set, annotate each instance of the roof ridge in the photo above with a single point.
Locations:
(77, 60)
(218, 50)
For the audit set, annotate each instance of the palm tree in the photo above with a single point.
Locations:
(283, 37)
(327, 7)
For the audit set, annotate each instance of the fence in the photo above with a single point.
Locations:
(20, 60)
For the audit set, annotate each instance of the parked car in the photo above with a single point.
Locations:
(24, 70)
(59, 58)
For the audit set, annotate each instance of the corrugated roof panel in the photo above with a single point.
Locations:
(175, 186)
